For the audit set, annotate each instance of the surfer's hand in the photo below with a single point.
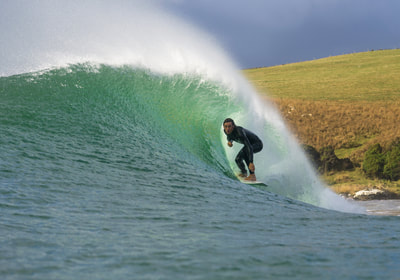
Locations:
(252, 167)
(230, 144)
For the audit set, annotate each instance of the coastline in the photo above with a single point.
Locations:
(368, 193)
(354, 185)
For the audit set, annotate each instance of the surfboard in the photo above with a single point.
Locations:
(259, 183)
(251, 182)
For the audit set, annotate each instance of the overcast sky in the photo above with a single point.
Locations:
(255, 33)
(260, 33)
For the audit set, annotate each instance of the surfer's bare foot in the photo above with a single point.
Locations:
(242, 175)
(251, 177)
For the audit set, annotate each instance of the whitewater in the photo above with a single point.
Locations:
(114, 163)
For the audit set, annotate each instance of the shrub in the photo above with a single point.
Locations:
(374, 162)
(391, 169)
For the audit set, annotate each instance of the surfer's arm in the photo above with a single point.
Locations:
(229, 138)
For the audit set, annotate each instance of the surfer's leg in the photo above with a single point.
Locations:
(256, 148)
(252, 176)
(245, 157)
(239, 161)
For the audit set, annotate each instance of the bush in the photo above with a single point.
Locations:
(374, 162)
(391, 169)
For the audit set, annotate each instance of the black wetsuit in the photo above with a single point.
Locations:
(252, 144)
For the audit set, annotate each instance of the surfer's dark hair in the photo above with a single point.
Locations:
(229, 120)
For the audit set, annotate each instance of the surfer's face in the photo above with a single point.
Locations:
(228, 127)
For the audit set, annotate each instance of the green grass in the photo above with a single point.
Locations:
(367, 76)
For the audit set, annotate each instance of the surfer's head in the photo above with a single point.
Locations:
(229, 125)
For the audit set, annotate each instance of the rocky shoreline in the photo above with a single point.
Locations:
(325, 161)
(373, 194)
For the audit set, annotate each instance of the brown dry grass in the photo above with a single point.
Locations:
(347, 126)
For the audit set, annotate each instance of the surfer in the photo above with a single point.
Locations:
(252, 144)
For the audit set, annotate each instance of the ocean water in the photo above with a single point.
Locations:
(114, 167)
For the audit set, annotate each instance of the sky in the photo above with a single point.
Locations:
(254, 33)
(258, 33)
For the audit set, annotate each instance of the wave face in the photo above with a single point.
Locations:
(117, 80)
(132, 119)
(111, 118)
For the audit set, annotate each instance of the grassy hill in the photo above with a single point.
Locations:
(349, 102)
(367, 76)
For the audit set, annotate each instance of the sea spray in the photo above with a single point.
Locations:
(117, 33)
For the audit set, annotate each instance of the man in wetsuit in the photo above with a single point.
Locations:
(252, 144)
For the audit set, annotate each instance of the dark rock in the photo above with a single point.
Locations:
(313, 155)
(346, 164)
(326, 160)
(370, 194)
(330, 162)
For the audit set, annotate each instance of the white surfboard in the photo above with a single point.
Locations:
(251, 182)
